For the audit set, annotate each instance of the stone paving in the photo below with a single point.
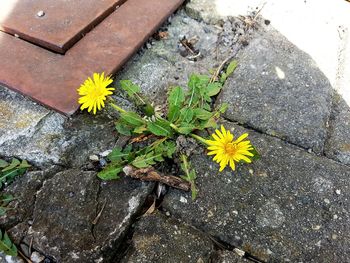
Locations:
(292, 205)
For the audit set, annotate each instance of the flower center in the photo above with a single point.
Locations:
(96, 92)
(230, 148)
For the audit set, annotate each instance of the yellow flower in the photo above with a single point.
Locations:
(227, 151)
(94, 92)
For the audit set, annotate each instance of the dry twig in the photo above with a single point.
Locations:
(150, 174)
(216, 74)
(99, 213)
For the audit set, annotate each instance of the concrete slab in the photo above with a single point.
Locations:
(289, 206)
(278, 89)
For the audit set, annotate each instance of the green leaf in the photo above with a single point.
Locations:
(132, 118)
(170, 148)
(223, 107)
(175, 100)
(110, 173)
(10, 171)
(213, 88)
(140, 129)
(194, 191)
(176, 97)
(194, 92)
(160, 128)
(3, 211)
(24, 164)
(223, 78)
(173, 113)
(12, 165)
(202, 80)
(159, 158)
(206, 106)
(186, 115)
(211, 123)
(145, 160)
(186, 128)
(117, 155)
(5, 199)
(202, 114)
(123, 128)
(129, 87)
(9, 175)
(3, 163)
(231, 67)
(6, 245)
(148, 109)
(190, 175)
(256, 156)
(166, 149)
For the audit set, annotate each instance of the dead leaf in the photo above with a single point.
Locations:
(151, 209)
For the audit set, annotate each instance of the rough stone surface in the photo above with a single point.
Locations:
(162, 66)
(338, 144)
(66, 207)
(24, 190)
(9, 259)
(230, 257)
(289, 206)
(279, 90)
(161, 239)
(204, 10)
(31, 132)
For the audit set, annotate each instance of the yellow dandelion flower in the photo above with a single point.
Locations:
(228, 151)
(94, 92)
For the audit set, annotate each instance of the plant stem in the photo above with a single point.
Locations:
(117, 107)
(195, 136)
(185, 164)
(199, 138)
(172, 125)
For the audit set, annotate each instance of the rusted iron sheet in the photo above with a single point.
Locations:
(52, 79)
(53, 24)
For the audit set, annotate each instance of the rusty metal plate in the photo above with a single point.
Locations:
(53, 24)
(52, 79)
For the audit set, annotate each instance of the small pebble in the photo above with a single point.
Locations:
(41, 13)
(167, 213)
(334, 236)
(317, 227)
(94, 158)
(335, 217)
(36, 257)
(183, 200)
(327, 201)
(103, 162)
(105, 153)
(11, 259)
(309, 150)
(239, 252)
(337, 192)
(16, 35)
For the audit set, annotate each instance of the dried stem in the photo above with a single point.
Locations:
(150, 174)
(216, 74)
